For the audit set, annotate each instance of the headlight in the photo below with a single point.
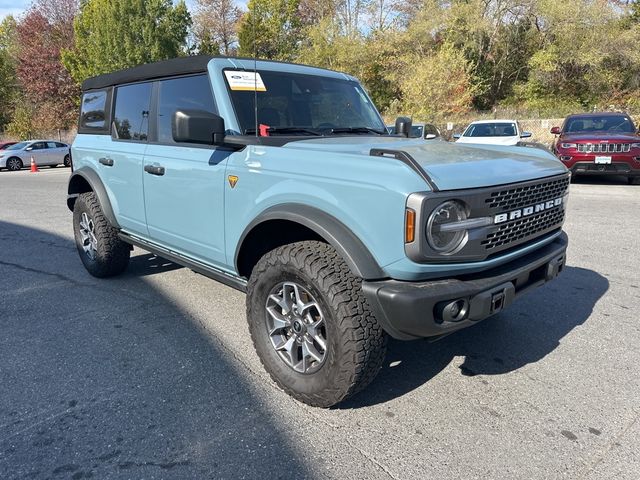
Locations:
(569, 145)
(442, 236)
(635, 145)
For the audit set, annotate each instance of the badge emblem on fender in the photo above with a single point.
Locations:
(232, 180)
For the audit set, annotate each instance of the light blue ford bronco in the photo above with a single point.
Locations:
(281, 180)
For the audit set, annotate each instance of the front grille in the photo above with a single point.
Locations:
(528, 225)
(604, 147)
(524, 228)
(518, 197)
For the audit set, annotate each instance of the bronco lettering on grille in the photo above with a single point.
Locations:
(525, 212)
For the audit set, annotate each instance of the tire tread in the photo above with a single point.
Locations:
(363, 339)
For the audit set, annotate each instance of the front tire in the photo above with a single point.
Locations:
(311, 325)
(67, 160)
(102, 252)
(14, 164)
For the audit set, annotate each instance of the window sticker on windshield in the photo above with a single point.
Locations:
(245, 81)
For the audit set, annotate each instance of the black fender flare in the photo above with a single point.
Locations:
(90, 176)
(334, 232)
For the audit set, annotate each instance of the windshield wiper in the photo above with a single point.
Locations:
(357, 130)
(271, 130)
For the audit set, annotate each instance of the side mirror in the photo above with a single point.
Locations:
(431, 136)
(197, 126)
(525, 135)
(457, 135)
(555, 130)
(28, 149)
(403, 126)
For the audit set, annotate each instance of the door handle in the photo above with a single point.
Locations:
(106, 161)
(154, 169)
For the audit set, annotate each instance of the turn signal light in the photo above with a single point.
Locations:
(409, 225)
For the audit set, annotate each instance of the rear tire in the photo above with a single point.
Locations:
(14, 164)
(633, 180)
(102, 252)
(67, 160)
(309, 283)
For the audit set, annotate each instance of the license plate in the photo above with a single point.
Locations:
(601, 159)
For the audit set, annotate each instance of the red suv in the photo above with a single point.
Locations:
(599, 143)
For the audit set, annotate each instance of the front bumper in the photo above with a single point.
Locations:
(584, 164)
(409, 310)
(614, 168)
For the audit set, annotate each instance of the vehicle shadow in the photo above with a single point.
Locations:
(111, 379)
(149, 264)
(525, 333)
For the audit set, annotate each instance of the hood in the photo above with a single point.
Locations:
(451, 166)
(599, 137)
(490, 140)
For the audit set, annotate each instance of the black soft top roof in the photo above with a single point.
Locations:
(165, 68)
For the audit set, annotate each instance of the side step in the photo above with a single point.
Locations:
(221, 276)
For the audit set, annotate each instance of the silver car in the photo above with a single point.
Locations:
(44, 152)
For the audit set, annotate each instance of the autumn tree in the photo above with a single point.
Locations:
(216, 26)
(115, 34)
(47, 88)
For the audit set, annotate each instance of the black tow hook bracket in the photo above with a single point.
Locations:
(497, 302)
(554, 267)
(491, 301)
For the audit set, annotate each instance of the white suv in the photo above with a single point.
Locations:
(492, 132)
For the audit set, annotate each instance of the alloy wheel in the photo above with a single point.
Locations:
(88, 237)
(296, 327)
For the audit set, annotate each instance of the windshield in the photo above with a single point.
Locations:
(604, 123)
(295, 104)
(491, 130)
(18, 146)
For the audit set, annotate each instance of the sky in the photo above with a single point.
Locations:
(13, 7)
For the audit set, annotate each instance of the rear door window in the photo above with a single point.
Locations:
(131, 119)
(94, 112)
(186, 93)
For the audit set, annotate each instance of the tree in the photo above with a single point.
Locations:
(8, 76)
(440, 84)
(270, 29)
(21, 125)
(369, 59)
(116, 34)
(45, 84)
(216, 24)
(580, 62)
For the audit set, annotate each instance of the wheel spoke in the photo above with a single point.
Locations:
(279, 322)
(281, 302)
(310, 350)
(289, 347)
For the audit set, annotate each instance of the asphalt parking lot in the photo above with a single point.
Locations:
(152, 374)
